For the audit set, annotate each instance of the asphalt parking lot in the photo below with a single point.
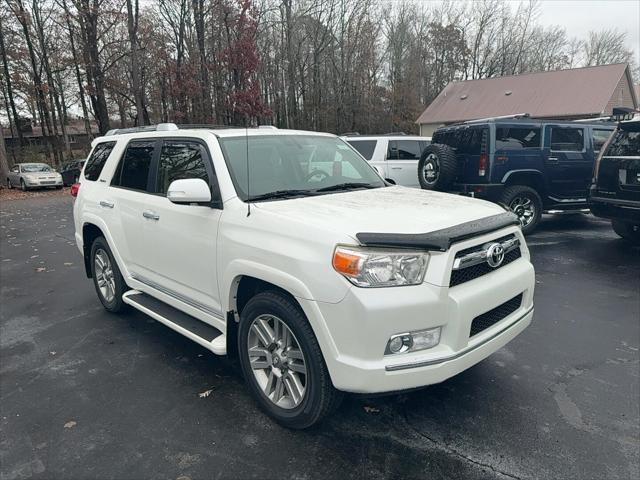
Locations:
(85, 394)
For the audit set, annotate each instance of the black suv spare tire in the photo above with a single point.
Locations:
(437, 167)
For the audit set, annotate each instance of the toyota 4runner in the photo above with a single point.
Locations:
(287, 249)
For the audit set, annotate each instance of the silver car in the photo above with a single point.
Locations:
(33, 175)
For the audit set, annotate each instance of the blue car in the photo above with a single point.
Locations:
(531, 166)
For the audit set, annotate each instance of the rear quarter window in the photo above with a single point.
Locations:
(133, 170)
(625, 143)
(97, 160)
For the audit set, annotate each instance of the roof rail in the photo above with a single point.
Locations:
(349, 134)
(187, 126)
(394, 134)
(516, 115)
(596, 119)
(160, 127)
(268, 127)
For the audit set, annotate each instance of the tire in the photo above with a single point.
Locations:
(319, 397)
(23, 185)
(59, 187)
(526, 203)
(9, 185)
(437, 167)
(113, 303)
(626, 230)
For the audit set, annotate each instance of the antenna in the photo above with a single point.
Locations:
(246, 141)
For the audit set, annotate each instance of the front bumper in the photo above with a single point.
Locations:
(32, 183)
(359, 327)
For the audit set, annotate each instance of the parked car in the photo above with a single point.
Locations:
(615, 191)
(319, 280)
(395, 156)
(33, 175)
(532, 166)
(71, 172)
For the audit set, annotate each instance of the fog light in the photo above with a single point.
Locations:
(413, 341)
(425, 339)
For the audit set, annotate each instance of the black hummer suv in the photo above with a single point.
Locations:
(615, 190)
(529, 165)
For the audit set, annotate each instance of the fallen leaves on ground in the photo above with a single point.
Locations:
(205, 394)
(15, 194)
(41, 269)
(369, 409)
(70, 424)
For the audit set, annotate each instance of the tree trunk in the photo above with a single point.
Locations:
(4, 162)
(12, 104)
(133, 15)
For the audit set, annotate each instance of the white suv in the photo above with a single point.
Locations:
(287, 249)
(396, 157)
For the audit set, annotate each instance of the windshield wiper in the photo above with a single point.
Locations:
(345, 186)
(280, 194)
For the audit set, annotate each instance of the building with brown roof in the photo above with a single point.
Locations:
(562, 94)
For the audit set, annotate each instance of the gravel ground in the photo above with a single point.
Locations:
(85, 394)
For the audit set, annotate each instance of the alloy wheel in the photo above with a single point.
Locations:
(277, 361)
(524, 208)
(104, 275)
(431, 169)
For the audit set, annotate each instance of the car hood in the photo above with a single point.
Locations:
(384, 210)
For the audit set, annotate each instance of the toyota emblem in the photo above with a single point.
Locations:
(495, 255)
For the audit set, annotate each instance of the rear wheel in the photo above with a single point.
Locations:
(437, 167)
(282, 363)
(9, 185)
(107, 278)
(526, 204)
(628, 231)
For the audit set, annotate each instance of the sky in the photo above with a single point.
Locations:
(578, 17)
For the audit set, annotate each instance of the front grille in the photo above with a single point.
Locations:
(486, 320)
(466, 274)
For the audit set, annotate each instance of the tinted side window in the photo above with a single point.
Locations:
(179, 160)
(409, 149)
(364, 147)
(567, 139)
(133, 171)
(517, 138)
(624, 143)
(392, 150)
(96, 161)
(600, 137)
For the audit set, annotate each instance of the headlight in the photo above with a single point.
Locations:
(369, 267)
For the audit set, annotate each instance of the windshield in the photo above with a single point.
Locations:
(36, 167)
(300, 164)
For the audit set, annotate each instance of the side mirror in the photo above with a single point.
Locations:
(391, 181)
(189, 190)
(379, 170)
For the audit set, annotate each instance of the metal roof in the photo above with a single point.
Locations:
(562, 93)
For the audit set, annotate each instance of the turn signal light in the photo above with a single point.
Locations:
(347, 263)
(75, 188)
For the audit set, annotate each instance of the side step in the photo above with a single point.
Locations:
(202, 333)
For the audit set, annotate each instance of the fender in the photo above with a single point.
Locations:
(240, 267)
(98, 222)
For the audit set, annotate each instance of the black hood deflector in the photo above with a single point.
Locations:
(440, 240)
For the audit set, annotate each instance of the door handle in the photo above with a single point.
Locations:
(150, 215)
(104, 203)
(396, 168)
(552, 159)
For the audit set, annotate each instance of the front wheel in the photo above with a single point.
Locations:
(107, 278)
(23, 185)
(9, 185)
(282, 363)
(626, 230)
(526, 204)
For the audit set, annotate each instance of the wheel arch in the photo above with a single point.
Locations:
(529, 177)
(91, 229)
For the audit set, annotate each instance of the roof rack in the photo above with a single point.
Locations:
(395, 134)
(501, 117)
(596, 119)
(160, 127)
(350, 134)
